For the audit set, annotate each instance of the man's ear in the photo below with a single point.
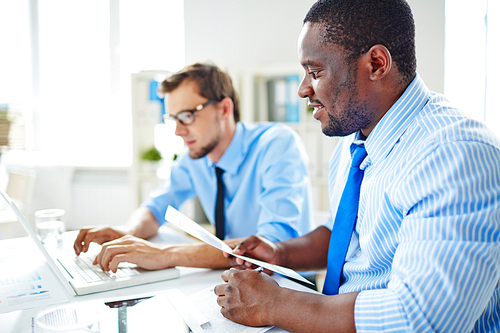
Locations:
(227, 107)
(381, 61)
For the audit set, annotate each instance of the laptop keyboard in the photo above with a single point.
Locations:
(82, 265)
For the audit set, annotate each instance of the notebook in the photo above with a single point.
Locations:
(80, 277)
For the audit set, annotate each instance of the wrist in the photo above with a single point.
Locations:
(169, 256)
(280, 254)
(274, 309)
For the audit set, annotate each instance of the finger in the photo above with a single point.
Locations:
(247, 244)
(245, 263)
(109, 255)
(89, 238)
(239, 263)
(227, 274)
(98, 258)
(222, 301)
(224, 312)
(78, 241)
(117, 259)
(219, 289)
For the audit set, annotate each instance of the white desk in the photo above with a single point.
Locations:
(190, 281)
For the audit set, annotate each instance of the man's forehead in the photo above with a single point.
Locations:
(309, 38)
(313, 51)
(185, 97)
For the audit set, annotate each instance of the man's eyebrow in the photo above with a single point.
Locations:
(308, 63)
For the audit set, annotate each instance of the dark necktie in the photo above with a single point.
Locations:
(345, 220)
(219, 205)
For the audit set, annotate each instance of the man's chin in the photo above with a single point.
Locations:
(196, 154)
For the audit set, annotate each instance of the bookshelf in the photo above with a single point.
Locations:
(147, 110)
(274, 98)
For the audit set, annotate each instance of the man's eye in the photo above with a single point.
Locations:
(313, 74)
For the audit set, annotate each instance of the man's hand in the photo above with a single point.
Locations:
(132, 250)
(256, 247)
(253, 298)
(247, 297)
(98, 235)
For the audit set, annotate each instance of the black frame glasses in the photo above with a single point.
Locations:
(186, 117)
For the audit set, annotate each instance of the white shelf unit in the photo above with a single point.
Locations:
(146, 114)
(319, 147)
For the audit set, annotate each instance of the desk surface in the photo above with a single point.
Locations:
(191, 280)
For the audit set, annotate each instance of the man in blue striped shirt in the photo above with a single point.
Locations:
(425, 252)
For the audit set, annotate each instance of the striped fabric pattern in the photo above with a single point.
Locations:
(426, 248)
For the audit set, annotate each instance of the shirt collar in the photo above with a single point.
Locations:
(396, 121)
(234, 155)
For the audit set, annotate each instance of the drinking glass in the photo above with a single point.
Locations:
(50, 226)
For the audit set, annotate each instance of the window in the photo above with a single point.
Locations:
(15, 58)
(472, 41)
(83, 54)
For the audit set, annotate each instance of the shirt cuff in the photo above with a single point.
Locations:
(380, 311)
(156, 212)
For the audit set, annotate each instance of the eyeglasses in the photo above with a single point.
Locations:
(186, 117)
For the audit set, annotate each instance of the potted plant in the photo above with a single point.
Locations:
(152, 158)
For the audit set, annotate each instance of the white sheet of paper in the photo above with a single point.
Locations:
(194, 229)
(26, 280)
(206, 302)
(188, 312)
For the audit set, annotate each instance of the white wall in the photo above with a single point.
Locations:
(429, 19)
(241, 34)
(260, 37)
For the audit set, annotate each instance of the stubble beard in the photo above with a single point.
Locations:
(203, 151)
(356, 114)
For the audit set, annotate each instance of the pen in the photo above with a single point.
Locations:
(259, 269)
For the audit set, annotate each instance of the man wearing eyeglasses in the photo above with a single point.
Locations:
(264, 176)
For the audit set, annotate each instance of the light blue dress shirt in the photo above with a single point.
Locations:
(266, 178)
(425, 252)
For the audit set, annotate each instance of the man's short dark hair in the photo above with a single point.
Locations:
(214, 83)
(357, 25)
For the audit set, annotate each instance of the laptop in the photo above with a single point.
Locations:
(79, 276)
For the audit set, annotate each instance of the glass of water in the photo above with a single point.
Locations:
(50, 226)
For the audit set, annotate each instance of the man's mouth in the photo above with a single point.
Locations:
(189, 142)
(317, 108)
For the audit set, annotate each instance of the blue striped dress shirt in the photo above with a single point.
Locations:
(425, 252)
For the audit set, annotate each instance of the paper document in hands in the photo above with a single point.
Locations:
(194, 229)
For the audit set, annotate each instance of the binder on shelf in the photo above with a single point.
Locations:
(157, 102)
(292, 114)
(276, 90)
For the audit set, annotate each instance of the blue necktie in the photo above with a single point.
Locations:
(345, 220)
(219, 205)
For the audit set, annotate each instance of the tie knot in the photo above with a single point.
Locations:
(219, 172)
(358, 156)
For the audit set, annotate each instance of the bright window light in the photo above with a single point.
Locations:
(472, 43)
(15, 59)
(87, 53)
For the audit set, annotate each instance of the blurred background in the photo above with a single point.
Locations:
(80, 122)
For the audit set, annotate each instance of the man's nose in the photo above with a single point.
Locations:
(305, 88)
(180, 129)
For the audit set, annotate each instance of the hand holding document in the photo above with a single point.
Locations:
(194, 229)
